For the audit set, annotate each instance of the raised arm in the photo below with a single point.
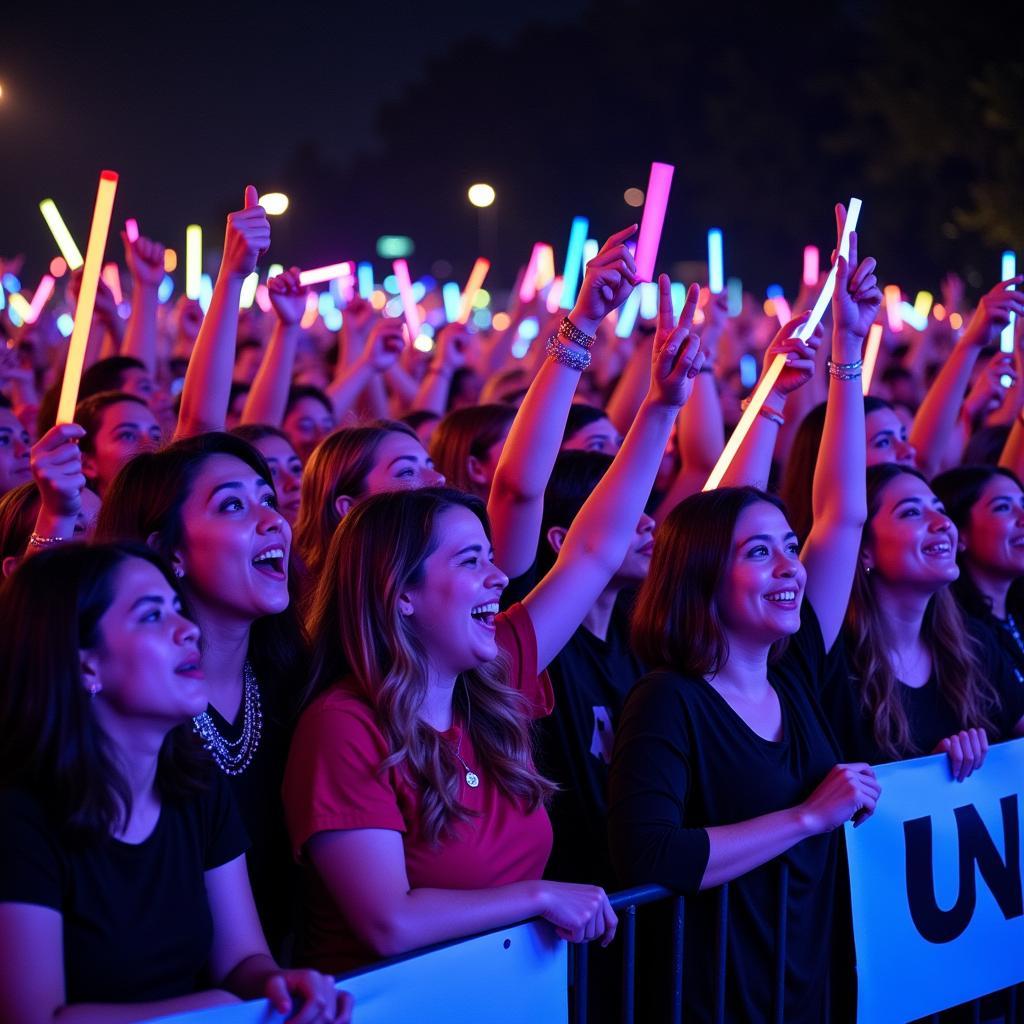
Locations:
(600, 535)
(380, 353)
(449, 356)
(146, 265)
(839, 493)
(268, 395)
(516, 502)
(935, 421)
(204, 398)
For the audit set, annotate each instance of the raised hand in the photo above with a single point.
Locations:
(988, 392)
(993, 313)
(189, 318)
(610, 277)
(453, 344)
(384, 346)
(56, 462)
(677, 356)
(287, 296)
(799, 354)
(246, 237)
(145, 260)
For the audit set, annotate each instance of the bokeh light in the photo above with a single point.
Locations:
(481, 194)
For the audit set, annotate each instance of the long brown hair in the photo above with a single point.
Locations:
(466, 432)
(954, 659)
(338, 465)
(361, 637)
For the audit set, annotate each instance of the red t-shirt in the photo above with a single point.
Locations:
(332, 783)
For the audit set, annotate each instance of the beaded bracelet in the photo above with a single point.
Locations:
(38, 541)
(561, 353)
(845, 371)
(568, 330)
(774, 417)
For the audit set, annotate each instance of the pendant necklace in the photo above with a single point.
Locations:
(472, 779)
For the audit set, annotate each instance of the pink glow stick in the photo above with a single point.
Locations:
(528, 289)
(329, 273)
(131, 229)
(658, 186)
(112, 279)
(42, 294)
(811, 265)
(893, 296)
(554, 295)
(473, 286)
(782, 310)
(263, 298)
(412, 313)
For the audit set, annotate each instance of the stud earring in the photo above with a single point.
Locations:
(93, 690)
(179, 573)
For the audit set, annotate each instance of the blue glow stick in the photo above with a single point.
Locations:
(590, 250)
(364, 274)
(3, 301)
(1009, 270)
(716, 270)
(678, 290)
(166, 289)
(734, 290)
(648, 300)
(205, 292)
(912, 316)
(573, 261)
(748, 370)
(627, 314)
(451, 294)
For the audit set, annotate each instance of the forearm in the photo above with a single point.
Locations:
(268, 396)
(129, 1013)
(629, 392)
(752, 464)
(701, 426)
(403, 388)
(432, 395)
(736, 849)
(52, 524)
(373, 404)
(248, 979)
(937, 416)
(204, 398)
(140, 334)
(347, 386)
(1012, 457)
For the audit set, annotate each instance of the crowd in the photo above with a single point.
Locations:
(320, 646)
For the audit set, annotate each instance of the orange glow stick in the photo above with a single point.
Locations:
(42, 294)
(409, 307)
(871, 354)
(112, 279)
(892, 307)
(473, 286)
(87, 295)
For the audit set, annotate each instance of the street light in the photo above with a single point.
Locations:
(274, 203)
(481, 194)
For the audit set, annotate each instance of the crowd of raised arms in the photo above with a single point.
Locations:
(341, 648)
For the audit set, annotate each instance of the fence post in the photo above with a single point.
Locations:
(628, 962)
(582, 981)
(678, 921)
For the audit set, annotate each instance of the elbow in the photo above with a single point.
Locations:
(387, 936)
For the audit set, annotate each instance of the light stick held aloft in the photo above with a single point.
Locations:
(55, 222)
(716, 270)
(574, 261)
(476, 281)
(871, 347)
(193, 261)
(409, 307)
(329, 273)
(87, 295)
(655, 204)
(1009, 270)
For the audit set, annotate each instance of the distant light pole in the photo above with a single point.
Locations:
(482, 196)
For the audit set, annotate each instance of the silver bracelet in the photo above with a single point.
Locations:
(561, 353)
(568, 330)
(845, 371)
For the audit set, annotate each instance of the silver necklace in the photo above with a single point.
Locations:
(234, 756)
(1012, 629)
(472, 779)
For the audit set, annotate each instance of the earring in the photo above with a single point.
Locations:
(179, 573)
(93, 690)
(867, 570)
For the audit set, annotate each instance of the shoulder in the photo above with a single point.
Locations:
(339, 714)
(662, 694)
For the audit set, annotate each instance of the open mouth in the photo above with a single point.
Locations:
(484, 613)
(938, 549)
(783, 598)
(192, 669)
(271, 563)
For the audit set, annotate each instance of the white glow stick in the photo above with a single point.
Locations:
(321, 274)
(871, 355)
(193, 260)
(763, 389)
(1009, 267)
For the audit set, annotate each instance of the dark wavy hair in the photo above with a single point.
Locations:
(145, 504)
(52, 744)
(468, 432)
(573, 478)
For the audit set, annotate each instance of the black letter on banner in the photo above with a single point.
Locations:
(974, 846)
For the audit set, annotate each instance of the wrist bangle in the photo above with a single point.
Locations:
(568, 330)
(561, 353)
(38, 541)
(769, 414)
(845, 371)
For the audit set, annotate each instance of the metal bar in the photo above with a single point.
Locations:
(722, 944)
(678, 921)
(628, 962)
(582, 982)
(638, 896)
(1011, 1005)
(780, 944)
(976, 1012)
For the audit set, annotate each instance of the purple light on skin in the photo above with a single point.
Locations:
(412, 315)
(658, 186)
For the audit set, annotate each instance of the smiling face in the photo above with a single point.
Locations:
(400, 463)
(599, 436)
(763, 585)
(910, 541)
(236, 543)
(887, 439)
(286, 469)
(125, 429)
(994, 533)
(452, 609)
(146, 664)
(15, 445)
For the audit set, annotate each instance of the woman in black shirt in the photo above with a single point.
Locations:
(723, 760)
(123, 889)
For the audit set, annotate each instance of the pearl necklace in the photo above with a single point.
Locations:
(234, 756)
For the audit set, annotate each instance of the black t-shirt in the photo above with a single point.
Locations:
(590, 678)
(685, 760)
(930, 717)
(136, 920)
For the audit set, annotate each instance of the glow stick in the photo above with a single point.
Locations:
(131, 229)
(21, 306)
(2, 302)
(263, 298)
(473, 285)
(648, 300)
(528, 287)
(102, 211)
(627, 314)
(329, 273)
(923, 304)
(748, 370)
(590, 250)
(554, 295)
(273, 270)
(170, 261)
(193, 260)
(364, 272)
(112, 279)
(812, 264)
(716, 271)
(312, 311)
(39, 299)
(412, 313)
(573, 261)
(451, 294)
(1009, 269)
(658, 186)
(763, 389)
(61, 235)
(678, 292)
(546, 266)
(205, 291)
(782, 310)
(871, 355)
(734, 290)
(892, 308)
(910, 316)
(248, 294)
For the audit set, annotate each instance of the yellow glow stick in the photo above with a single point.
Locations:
(61, 235)
(923, 303)
(111, 277)
(762, 390)
(87, 295)
(473, 285)
(40, 297)
(193, 260)
(21, 306)
(248, 295)
(871, 354)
